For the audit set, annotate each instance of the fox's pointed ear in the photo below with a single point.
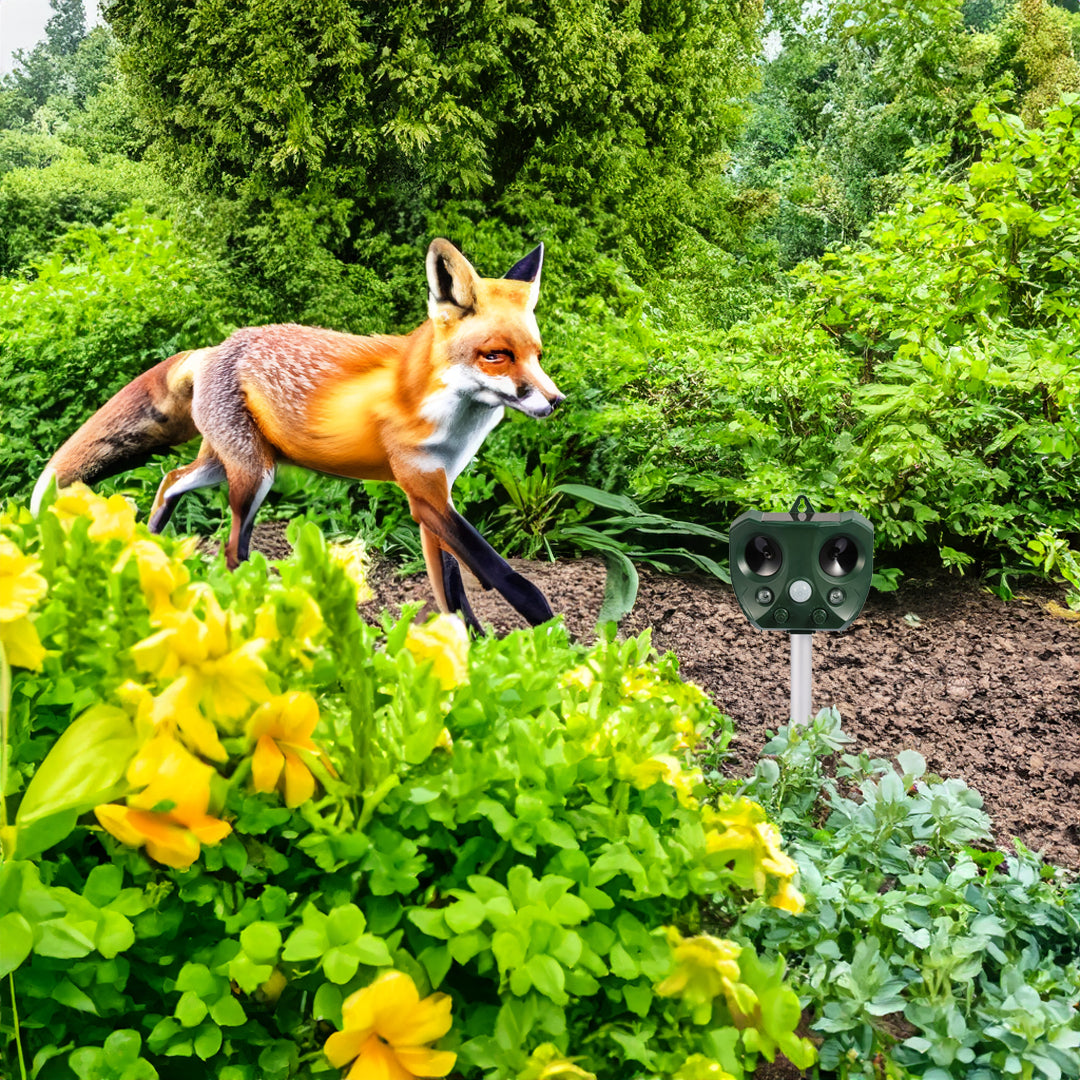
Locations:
(528, 269)
(451, 279)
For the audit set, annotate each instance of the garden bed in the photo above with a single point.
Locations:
(985, 690)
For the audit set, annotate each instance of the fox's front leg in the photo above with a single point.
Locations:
(458, 539)
(444, 574)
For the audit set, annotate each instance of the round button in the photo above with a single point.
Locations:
(820, 616)
(764, 595)
(837, 596)
(800, 591)
(781, 615)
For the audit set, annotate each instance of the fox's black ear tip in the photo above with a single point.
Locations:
(528, 269)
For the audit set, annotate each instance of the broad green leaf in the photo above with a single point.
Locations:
(228, 1012)
(340, 964)
(620, 588)
(85, 766)
(16, 941)
(208, 1041)
(190, 1010)
(261, 941)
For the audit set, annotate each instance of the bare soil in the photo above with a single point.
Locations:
(985, 690)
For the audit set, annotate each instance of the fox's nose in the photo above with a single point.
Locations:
(556, 401)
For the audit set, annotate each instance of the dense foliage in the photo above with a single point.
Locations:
(230, 804)
(922, 950)
(239, 827)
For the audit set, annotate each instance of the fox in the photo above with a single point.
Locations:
(412, 409)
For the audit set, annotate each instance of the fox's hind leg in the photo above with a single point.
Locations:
(247, 489)
(205, 471)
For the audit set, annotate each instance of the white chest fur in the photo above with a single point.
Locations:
(462, 423)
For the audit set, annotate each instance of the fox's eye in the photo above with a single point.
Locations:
(499, 357)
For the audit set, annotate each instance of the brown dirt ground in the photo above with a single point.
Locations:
(985, 690)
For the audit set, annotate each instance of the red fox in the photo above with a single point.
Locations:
(413, 409)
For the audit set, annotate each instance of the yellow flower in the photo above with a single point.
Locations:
(21, 587)
(788, 898)
(74, 502)
(198, 650)
(669, 769)
(546, 1063)
(21, 644)
(160, 575)
(278, 729)
(386, 1031)
(704, 967)
(174, 776)
(738, 832)
(175, 711)
(113, 519)
(699, 1067)
(353, 559)
(445, 642)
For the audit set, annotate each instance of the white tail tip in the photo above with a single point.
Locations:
(44, 480)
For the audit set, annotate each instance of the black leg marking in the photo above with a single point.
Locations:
(454, 590)
(494, 572)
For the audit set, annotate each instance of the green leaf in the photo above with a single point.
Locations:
(340, 964)
(103, 885)
(208, 1041)
(548, 977)
(371, 950)
(327, 1004)
(620, 588)
(228, 1012)
(67, 993)
(190, 1009)
(123, 1048)
(16, 941)
(305, 943)
(261, 941)
(85, 766)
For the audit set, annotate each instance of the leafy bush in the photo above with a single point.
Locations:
(300, 823)
(106, 305)
(38, 205)
(922, 951)
(923, 377)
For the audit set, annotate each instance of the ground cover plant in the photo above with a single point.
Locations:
(922, 950)
(241, 827)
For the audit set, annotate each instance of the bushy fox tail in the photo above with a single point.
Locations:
(150, 414)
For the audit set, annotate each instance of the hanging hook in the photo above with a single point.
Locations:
(801, 510)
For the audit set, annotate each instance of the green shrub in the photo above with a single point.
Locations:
(38, 205)
(236, 818)
(922, 951)
(106, 305)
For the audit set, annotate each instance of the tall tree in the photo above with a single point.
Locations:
(67, 26)
(599, 102)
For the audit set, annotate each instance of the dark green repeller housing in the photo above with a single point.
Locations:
(801, 571)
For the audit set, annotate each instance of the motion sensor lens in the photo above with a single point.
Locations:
(763, 556)
(838, 556)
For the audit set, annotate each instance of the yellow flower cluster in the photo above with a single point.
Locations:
(738, 832)
(204, 679)
(21, 587)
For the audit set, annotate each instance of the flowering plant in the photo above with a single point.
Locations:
(241, 825)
